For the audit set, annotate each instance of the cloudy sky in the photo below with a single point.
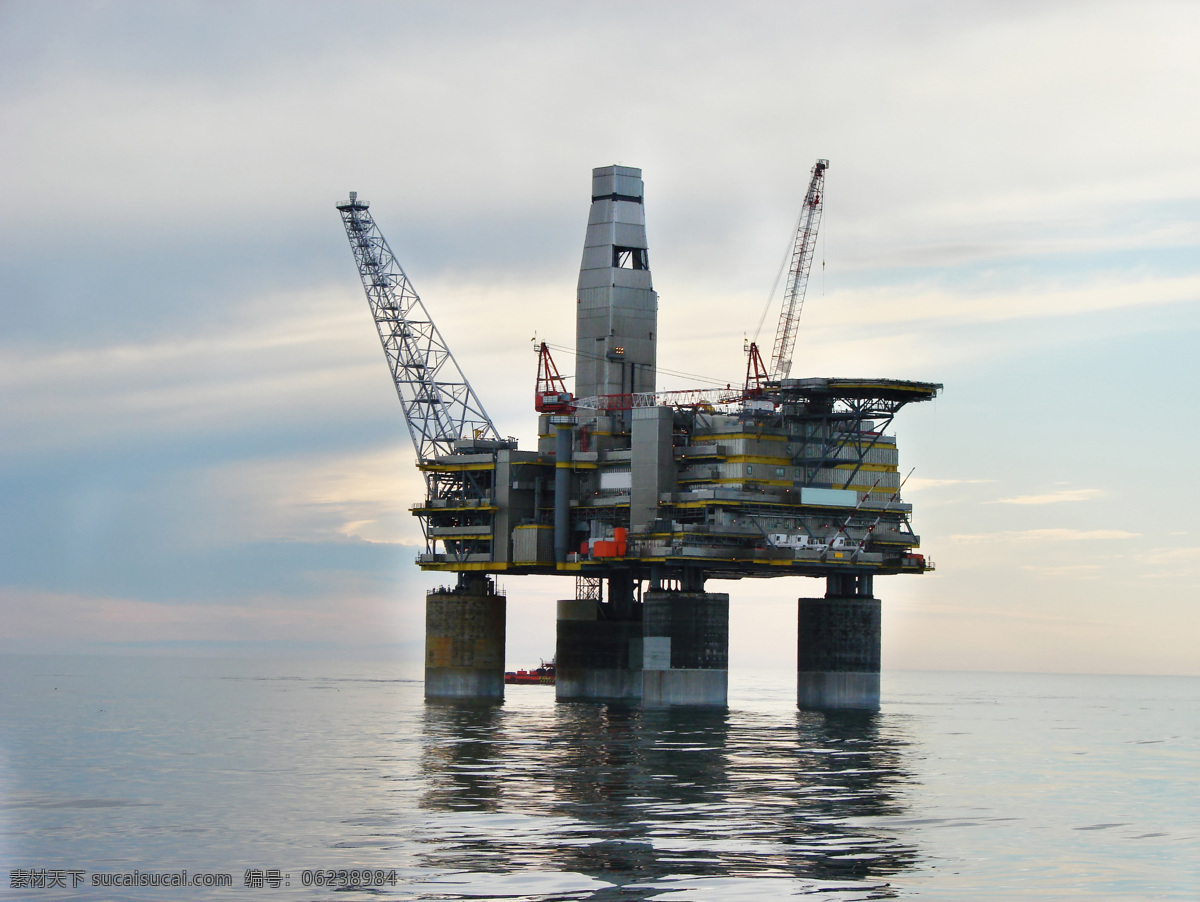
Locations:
(201, 448)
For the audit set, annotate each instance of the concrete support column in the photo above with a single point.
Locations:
(685, 648)
(464, 643)
(597, 657)
(838, 652)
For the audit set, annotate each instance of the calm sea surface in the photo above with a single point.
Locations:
(964, 787)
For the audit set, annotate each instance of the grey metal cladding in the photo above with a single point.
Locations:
(609, 277)
(596, 278)
(629, 300)
(629, 235)
(592, 299)
(634, 214)
(623, 180)
(632, 278)
(604, 182)
(652, 463)
(617, 307)
(597, 256)
(600, 234)
(629, 186)
(606, 210)
(638, 349)
(601, 211)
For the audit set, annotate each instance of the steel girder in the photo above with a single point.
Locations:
(440, 407)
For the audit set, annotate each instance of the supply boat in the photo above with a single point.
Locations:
(543, 676)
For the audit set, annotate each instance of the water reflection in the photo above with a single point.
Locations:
(461, 757)
(637, 797)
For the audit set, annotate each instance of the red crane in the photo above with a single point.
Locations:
(550, 394)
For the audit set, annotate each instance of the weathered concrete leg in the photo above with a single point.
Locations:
(464, 643)
(838, 651)
(596, 657)
(685, 648)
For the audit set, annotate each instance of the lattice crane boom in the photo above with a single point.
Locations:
(440, 407)
(802, 255)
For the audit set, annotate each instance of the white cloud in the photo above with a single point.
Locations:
(190, 142)
(1045, 535)
(977, 612)
(917, 482)
(1176, 560)
(1053, 497)
(262, 367)
(1074, 571)
(913, 305)
(345, 616)
(365, 495)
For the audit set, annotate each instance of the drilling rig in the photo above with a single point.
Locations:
(643, 496)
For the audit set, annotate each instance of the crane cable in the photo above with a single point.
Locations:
(824, 236)
(709, 379)
(787, 256)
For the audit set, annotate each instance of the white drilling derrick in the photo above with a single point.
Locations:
(440, 407)
(802, 255)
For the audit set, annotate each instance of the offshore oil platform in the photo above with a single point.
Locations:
(644, 496)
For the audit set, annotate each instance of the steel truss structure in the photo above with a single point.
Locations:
(838, 409)
(440, 407)
(802, 255)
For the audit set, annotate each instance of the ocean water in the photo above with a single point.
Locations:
(282, 774)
